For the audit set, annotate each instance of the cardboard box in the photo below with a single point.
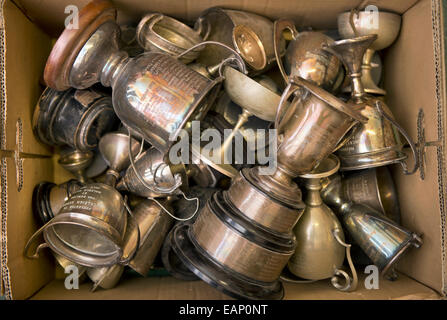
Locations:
(414, 68)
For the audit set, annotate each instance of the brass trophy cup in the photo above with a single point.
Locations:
(377, 142)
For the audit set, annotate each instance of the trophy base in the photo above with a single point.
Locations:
(227, 281)
(173, 264)
(41, 205)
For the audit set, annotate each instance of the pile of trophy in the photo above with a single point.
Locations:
(240, 226)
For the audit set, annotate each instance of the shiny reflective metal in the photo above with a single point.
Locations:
(377, 142)
(91, 225)
(320, 249)
(380, 238)
(76, 162)
(253, 97)
(114, 148)
(105, 277)
(157, 172)
(154, 224)
(231, 253)
(76, 118)
(48, 198)
(312, 127)
(374, 188)
(306, 58)
(154, 93)
(232, 112)
(361, 23)
(159, 33)
(248, 33)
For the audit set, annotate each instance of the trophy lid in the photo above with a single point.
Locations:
(71, 41)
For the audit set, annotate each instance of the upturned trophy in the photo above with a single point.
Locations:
(380, 238)
(90, 227)
(154, 93)
(375, 188)
(76, 118)
(377, 142)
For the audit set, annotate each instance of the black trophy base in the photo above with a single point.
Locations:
(224, 280)
(173, 264)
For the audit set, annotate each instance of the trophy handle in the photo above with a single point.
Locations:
(202, 27)
(350, 285)
(152, 19)
(406, 136)
(288, 91)
(126, 261)
(237, 57)
(33, 238)
(278, 27)
(330, 99)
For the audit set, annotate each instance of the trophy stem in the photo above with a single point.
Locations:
(368, 83)
(352, 52)
(243, 118)
(112, 68)
(313, 198)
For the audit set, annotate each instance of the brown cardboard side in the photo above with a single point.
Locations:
(26, 275)
(136, 288)
(411, 85)
(24, 66)
(320, 14)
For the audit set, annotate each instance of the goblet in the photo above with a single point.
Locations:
(386, 27)
(76, 162)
